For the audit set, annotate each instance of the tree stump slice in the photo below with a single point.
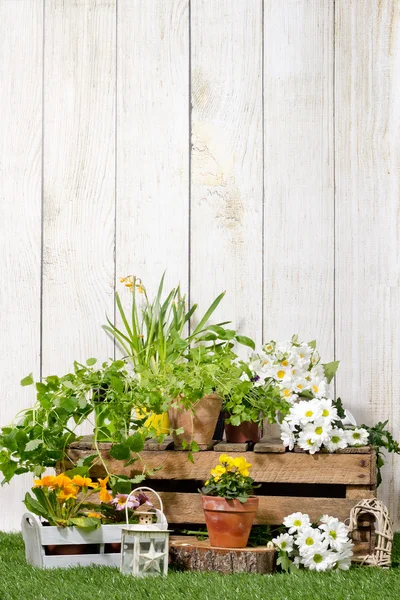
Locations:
(190, 554)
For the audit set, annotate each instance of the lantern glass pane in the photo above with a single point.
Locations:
(127, 549)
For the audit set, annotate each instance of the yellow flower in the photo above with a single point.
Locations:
(217, 472)
(242, 466)
(224, 459)
(46, 481)
(122, 279)
(62, 481)
(83, 481)
(105, 495)
(140, 288)
(95, 515)
(66, 494)
(207, 482)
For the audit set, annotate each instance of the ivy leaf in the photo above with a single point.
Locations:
(33, 445)
(330, 369)
(91, 361)
(120, 452)
(28, 380)
(283, 561)
(246, 341)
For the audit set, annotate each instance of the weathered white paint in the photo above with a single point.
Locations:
(79, 180)
(298, 171)
(21, 24)
(227, 153)
(367, 116)
(153, 142)
(314, 108)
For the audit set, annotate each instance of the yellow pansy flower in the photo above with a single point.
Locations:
(217, 472)
(224, 459)
(242, 466)
(46, 481)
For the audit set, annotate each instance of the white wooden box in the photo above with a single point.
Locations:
(36, 537)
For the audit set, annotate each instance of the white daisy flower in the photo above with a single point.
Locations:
(336, 533)
(357, 436)
(284, 542)
(329, 412)
(342, 563)
(300, 384)
(319, 558)
(307, 442)
(337, 440)
(296, 521)
(319, 430)
(269, 347)
(328, 519)
(307, 537)
(343, 558)
(318, 387)
(306, 411)
(281, 373)
(287, 435)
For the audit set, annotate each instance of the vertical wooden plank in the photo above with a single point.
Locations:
(226, 168)
(367, 209)
(298, 173)
(21, 43)
(153, 141)
(79, 180)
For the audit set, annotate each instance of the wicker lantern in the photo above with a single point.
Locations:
(145, 547)
(380, 540)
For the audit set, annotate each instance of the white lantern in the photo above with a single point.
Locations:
(145, 547)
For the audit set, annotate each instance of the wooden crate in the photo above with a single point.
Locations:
(38, 539)
(317, 484)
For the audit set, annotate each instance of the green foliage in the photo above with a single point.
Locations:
(330, 369)
(154, 333)
(382, 440)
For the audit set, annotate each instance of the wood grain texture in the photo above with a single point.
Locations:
(153, 142)
(226, 182)
(298, 171)
(21, 37)
(367, 223)
(79, 179)
(281, 468)
(272, 509)
(190, 554)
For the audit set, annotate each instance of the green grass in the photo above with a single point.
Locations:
(21, 582)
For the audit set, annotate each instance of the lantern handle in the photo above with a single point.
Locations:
(137, 490)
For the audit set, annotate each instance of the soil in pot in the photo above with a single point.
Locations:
(245, 432)
(71, 549)
(229, 521)
(199, 426)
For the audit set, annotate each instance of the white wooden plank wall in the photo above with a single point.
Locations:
(367, 117)
(246, 145)
(227, 155)
(21, 54)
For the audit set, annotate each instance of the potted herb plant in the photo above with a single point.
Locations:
(228, 503)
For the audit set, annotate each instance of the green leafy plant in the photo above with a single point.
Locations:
(230, 479)
(39, 436)
(154, 333)
(382, 440)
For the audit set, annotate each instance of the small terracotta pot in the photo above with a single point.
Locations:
(229, 521)
(245, 432)
(199, 426)
(65, 549)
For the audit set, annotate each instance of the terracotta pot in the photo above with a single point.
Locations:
(245, 432)
(65, 549)
(199, 425)
(229, 521)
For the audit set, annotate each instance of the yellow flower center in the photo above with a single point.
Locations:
(333, 534)
(309, 541)
(325, 412)
(318, 430)
(280, 374)
(297, 523)
(309, 413)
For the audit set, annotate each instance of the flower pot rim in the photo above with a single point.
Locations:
(220, 504)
